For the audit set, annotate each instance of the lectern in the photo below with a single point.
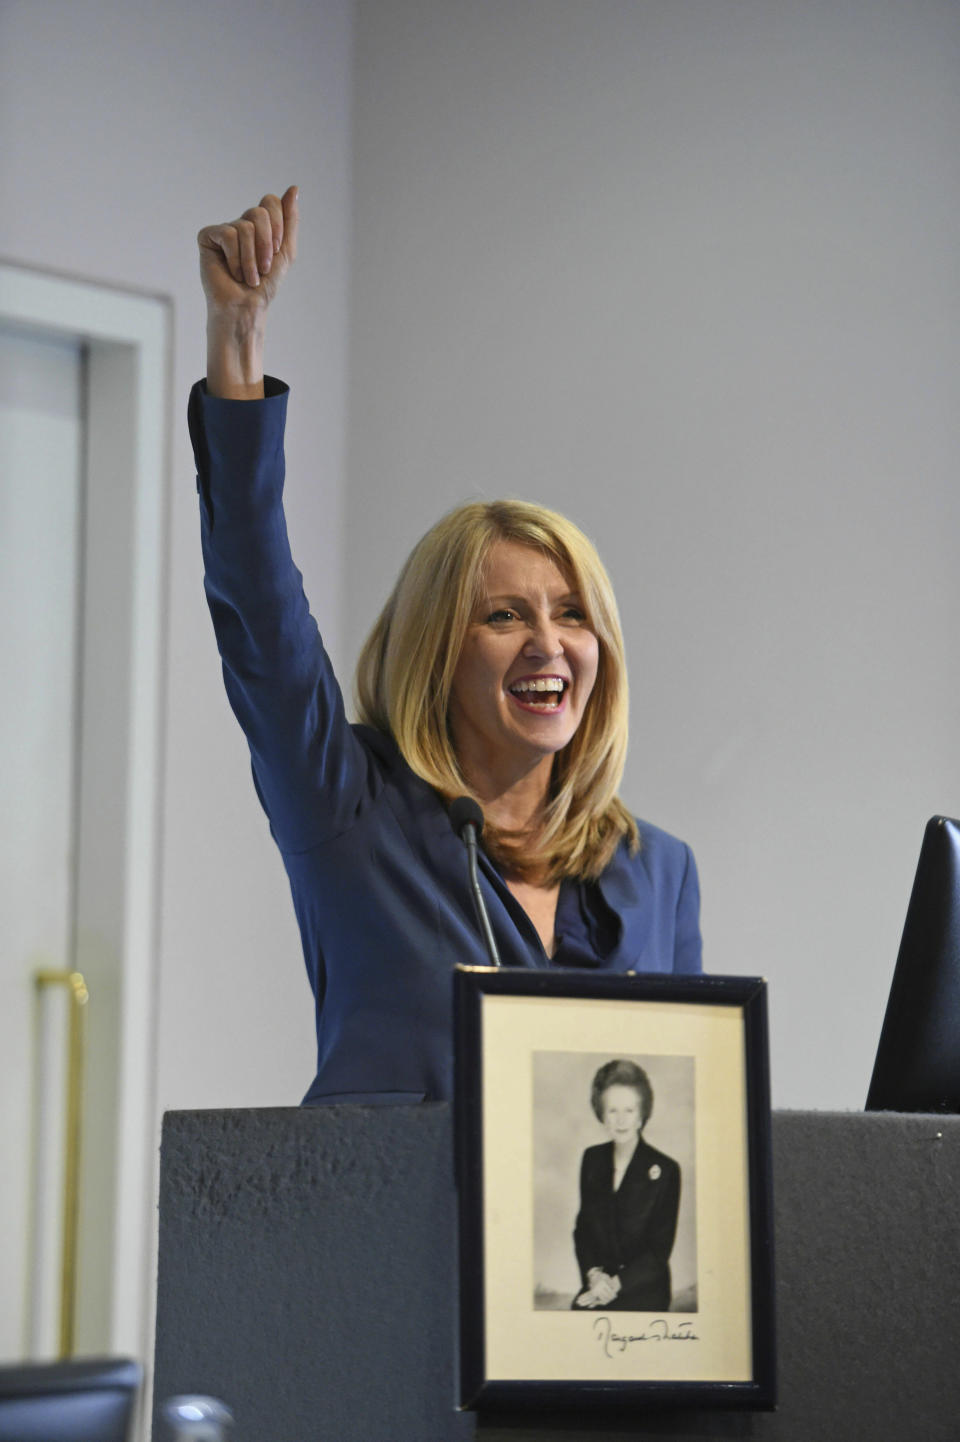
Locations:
(307, 1277)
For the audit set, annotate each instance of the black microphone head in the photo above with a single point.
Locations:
(465, 812)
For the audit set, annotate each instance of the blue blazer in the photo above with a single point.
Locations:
(378, 878)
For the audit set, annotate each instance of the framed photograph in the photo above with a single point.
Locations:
(613, 1168)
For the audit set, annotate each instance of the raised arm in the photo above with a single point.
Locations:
(242, 265)
(311, 772)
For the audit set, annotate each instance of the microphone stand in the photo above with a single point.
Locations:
(469, 835)
(466, 819)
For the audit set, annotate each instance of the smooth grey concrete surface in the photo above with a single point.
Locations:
(307, 1277)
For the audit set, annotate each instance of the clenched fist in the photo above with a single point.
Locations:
(242, 263)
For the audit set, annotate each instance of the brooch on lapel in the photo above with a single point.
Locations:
(654, 1172)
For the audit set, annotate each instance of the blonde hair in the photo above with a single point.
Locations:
(405, 675)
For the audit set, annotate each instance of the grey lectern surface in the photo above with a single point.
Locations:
(307, 1278)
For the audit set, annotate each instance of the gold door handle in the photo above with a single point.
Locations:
(78, 997)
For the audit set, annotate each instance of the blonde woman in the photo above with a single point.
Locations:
(496, 669)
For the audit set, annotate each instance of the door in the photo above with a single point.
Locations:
(41, 451)
(83, 373)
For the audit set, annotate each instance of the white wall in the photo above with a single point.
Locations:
(687, 270)
(123, 129)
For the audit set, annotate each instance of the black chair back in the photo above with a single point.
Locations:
(85, 1401)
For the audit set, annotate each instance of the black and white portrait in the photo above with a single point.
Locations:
(614, 1171)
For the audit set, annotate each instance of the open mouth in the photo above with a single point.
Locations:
(540, 693)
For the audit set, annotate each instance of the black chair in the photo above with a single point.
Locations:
(88, 1401)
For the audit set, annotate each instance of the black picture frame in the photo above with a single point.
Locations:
(528, 1044)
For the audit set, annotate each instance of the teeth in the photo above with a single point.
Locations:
(543, 683)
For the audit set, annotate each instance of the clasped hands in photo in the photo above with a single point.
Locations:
(602, 1290)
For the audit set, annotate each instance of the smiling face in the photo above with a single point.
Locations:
(526, 668)
(621, 1114)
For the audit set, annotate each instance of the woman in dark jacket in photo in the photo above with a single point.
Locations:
(629, 1200)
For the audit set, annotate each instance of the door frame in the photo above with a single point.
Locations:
(127, 337)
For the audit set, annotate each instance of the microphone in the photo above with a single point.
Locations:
(466, 818)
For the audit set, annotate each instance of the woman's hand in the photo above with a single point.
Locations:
(242, 264)
(606, 1288)
(243, 261)
(603, 1289)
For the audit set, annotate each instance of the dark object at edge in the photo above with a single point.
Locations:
(76, 1401)
(918, 1059)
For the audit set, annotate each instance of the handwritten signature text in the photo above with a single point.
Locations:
(613, 1343)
